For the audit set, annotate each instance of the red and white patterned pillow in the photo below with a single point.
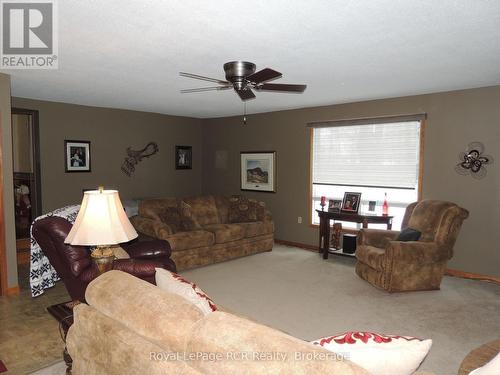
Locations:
(174, 283)
(380, 354)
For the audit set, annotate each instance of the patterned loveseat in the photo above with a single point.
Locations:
(207, 229)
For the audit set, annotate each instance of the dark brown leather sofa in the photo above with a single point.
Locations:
(75, 267)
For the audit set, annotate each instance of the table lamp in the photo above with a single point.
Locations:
(101, 222)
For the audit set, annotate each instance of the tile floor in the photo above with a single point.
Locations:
(29, 336)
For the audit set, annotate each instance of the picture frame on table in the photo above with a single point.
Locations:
(334, 205)
(258, 171)
(77, 156)
(351, 202)
(183, 157)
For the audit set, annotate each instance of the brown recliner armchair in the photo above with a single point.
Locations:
(398, 266)
(75, 267)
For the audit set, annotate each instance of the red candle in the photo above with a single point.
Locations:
(323, 200)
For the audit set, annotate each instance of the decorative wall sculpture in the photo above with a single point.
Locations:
(473, 161)
(134, 157)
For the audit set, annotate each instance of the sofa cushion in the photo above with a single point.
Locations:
(190, 240)
(151, 208)
(371, 256)
(221, 332)
(257, 228)
(203, 209)
(226, 232)
(244, 210)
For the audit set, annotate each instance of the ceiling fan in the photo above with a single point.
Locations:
(241, 76)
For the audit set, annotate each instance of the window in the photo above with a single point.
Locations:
(370, 156)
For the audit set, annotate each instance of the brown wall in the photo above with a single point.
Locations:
(111, 131)
(8, 192)
(454, 120)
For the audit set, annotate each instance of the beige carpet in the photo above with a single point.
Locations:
(296, 291)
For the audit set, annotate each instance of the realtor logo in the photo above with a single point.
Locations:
(29, 34)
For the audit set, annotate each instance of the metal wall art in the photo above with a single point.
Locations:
(134, 157)
(473, 161)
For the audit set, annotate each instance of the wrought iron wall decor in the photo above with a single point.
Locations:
(134, 157)
(473, 161)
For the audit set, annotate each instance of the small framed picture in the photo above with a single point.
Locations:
(77, 156)
(351, 202)
(258, 171)
(183, 157)
(334, 205)
(372, 205)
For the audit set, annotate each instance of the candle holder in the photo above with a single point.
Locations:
(323, 203)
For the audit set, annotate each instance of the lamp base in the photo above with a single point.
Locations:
(103, 258)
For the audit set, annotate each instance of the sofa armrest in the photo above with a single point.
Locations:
(267, 215)
(414, 252)
(137, 267)
(148, 249)
(153, 228)
(376, 237)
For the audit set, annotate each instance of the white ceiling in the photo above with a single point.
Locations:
(127, 54)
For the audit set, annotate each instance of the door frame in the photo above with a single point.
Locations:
(3, 254)
(35, 128)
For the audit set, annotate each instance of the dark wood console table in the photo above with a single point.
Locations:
(324, 226)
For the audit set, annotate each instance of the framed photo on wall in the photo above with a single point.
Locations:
(351, 202)
(258, 171)
(77, 156)
(183, 157)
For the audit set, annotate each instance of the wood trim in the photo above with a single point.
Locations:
(311, 145)
(448, 272)
(3, 252)
(297, 244)
(368, 120)
(421, 157)
(13, 291)
(472, 276)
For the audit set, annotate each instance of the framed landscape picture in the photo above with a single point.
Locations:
(258, 171)
(183, 157)
(351, 202)
(77, 156)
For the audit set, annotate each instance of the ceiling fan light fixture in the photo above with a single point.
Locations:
(242, 77)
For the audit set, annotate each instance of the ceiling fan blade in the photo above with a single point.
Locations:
(201, 89)
(245, 94)
(263, 76)
(281, 87)
(203, 78)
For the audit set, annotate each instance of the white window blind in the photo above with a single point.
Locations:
(378, 155)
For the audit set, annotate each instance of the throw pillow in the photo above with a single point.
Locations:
(174, 283)
(379, 354)
(409, 234)
(189, 221)
(244, 210)
(177, 219)
(491, 368)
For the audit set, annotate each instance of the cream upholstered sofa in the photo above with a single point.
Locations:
(132, 327)
(207, 229)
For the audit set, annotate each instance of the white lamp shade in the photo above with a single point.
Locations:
(101, 221)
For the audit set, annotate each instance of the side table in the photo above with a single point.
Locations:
(63, 313)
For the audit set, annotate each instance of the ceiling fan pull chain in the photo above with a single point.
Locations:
(244, 113)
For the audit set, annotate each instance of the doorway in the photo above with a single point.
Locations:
(27, 189)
